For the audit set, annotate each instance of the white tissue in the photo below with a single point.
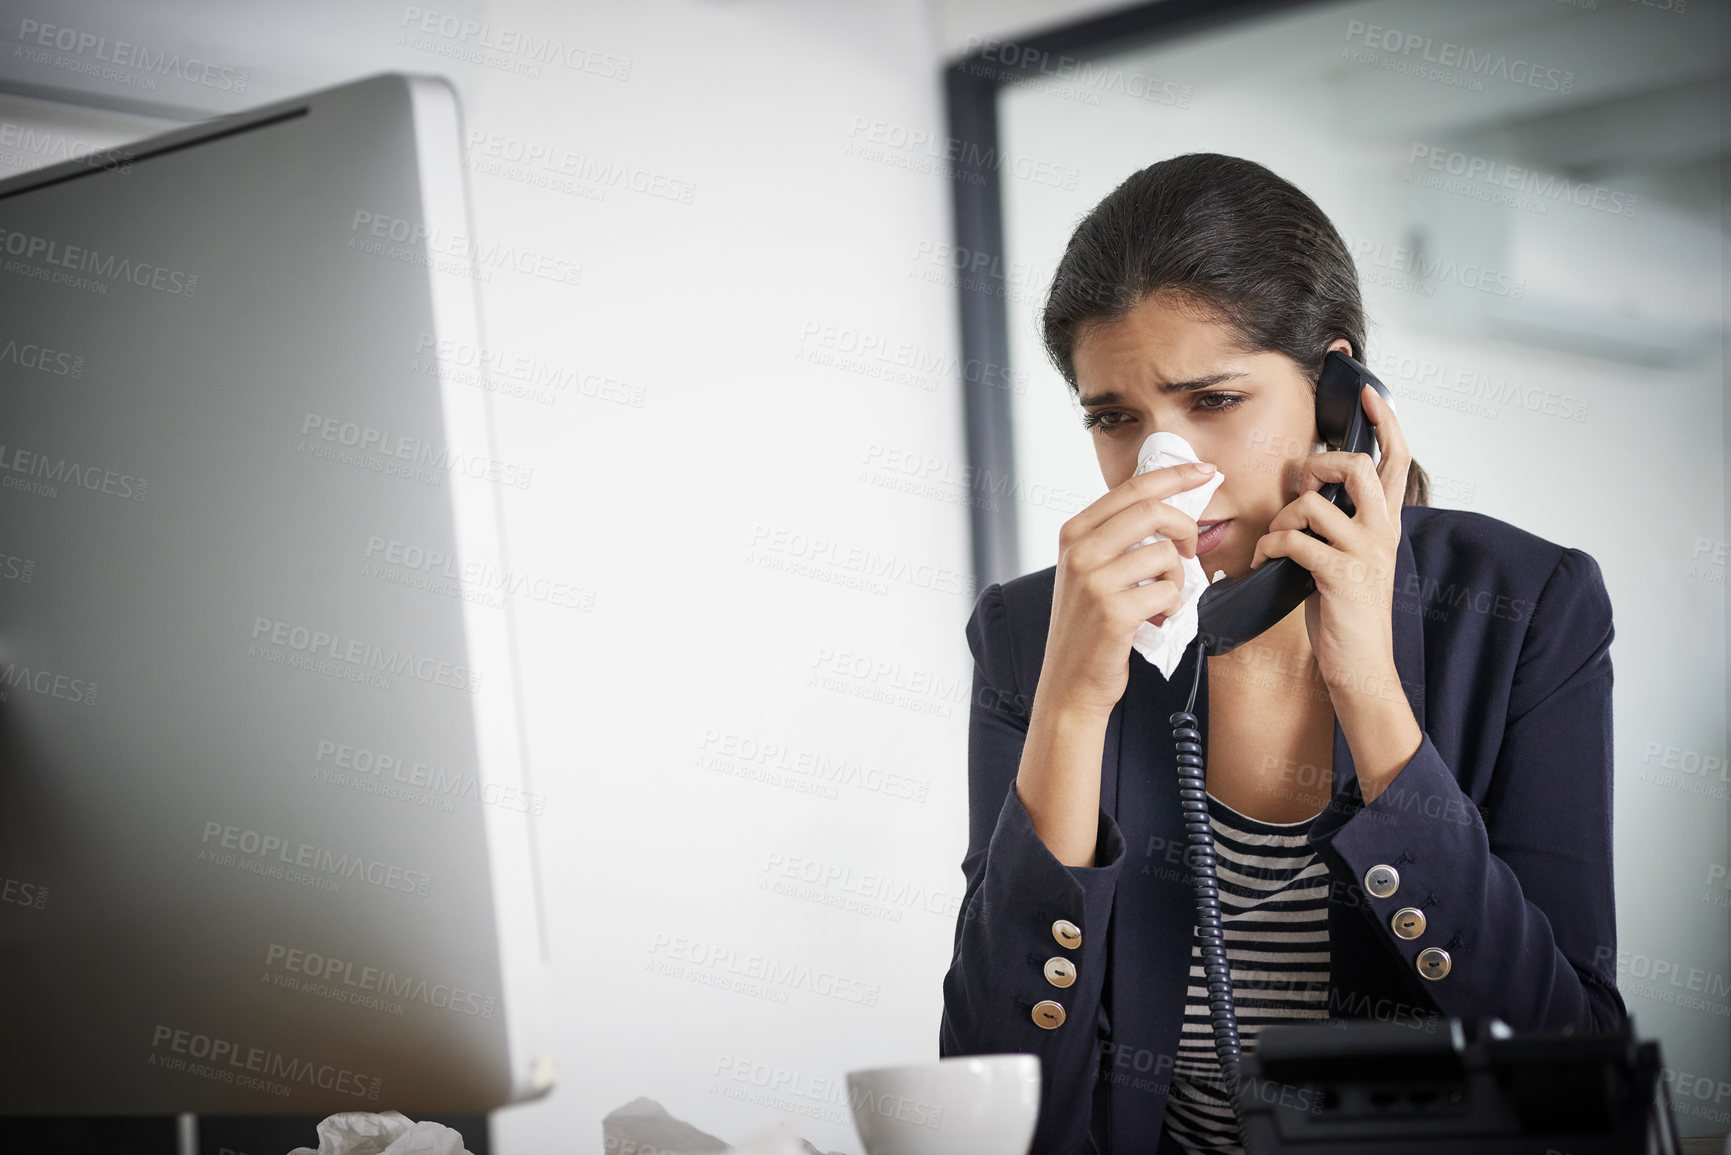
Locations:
(1164, 645)
(644, 1126)
(385, 1133)
(781, 1140)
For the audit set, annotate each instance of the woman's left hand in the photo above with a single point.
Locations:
(1349, 616)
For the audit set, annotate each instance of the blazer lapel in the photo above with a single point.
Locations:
(1408, 656)
(1139, 736)
(1153, 918)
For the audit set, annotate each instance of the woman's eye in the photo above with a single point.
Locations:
(1092, 420)
(1109, 419)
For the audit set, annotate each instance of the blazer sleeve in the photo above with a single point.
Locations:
(1521, 897)
(1015, 892)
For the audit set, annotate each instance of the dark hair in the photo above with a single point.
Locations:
(1227, 238)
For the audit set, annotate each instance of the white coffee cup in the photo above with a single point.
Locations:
(965, 1105)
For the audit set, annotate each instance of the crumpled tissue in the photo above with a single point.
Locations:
(384, 1133)
(644, 1127)
(1164, 645)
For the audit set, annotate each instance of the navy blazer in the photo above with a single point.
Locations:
(1499, 827)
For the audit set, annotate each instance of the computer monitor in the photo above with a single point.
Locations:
(266, 824)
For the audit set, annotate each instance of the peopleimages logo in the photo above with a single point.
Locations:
(362, 656)
(439, 571)
(48, 683)
(42, 474)
(1413, 268)
(481, 365)
(415, 781)
(861, 560)
(1428, 57)
(386, 451)
(370, 231)
(21, 893)
(556, 160)
(1032, 64)
(27, 247)
(29, 355)
(226, 1061)
(272, 850)
(868, 886)
(125, 55)
(31, 147)
(467, 39)
(1545, 187)
(319, 968)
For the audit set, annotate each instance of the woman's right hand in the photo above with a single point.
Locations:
(1097, 604)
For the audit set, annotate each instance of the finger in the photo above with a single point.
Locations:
(1153, 603)
(1312, 509)
(1370, 500)
(1157, 484)
(1329, 465)
(1133, 523)
(1363, 484)
(1308, 552)
(1391, 443)
(1159, 561)
(1129, 599)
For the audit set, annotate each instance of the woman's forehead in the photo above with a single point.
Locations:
(1159, 351)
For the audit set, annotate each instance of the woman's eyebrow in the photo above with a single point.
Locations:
(1208, 382)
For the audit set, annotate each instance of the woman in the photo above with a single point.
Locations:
(1409, 777)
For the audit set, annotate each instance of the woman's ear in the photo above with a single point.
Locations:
(1339, 344)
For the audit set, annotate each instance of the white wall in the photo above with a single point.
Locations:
(750, 456)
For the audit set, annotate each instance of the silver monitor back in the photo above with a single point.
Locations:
(265, 822)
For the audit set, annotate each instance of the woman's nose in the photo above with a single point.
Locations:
(1200, 440)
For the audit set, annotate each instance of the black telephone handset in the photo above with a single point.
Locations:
(1234, 610)
(1231, 612)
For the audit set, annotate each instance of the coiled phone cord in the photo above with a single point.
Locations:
(1199, 834)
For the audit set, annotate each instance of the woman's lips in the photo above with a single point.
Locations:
(1205, 541)
(1212, 536)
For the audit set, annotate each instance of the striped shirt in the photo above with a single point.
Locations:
(1274, 908)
